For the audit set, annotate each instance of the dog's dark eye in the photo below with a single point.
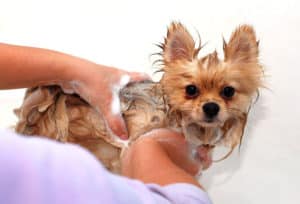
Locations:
(191, 91)
(228, 92)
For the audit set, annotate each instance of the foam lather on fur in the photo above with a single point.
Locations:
(50, 112)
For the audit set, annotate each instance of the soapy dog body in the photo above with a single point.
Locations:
(207, 99)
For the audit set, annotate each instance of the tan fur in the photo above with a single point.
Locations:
(49, 112)
(240, 69)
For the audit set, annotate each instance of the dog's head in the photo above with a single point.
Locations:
(207, 91)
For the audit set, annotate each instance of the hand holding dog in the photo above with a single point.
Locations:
(162, 156)
(24, 67)
(99, 86)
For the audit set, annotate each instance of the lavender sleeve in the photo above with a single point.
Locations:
(37, 170)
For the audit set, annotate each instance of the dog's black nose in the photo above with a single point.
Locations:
(211, 109)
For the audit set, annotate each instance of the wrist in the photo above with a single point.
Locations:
(74, 69)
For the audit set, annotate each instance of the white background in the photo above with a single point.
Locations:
(123, 34)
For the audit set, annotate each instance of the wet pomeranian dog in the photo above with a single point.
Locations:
(205, 98)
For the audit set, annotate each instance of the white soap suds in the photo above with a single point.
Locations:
(125, 79)
(115, 104)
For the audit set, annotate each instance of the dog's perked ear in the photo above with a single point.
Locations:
(242, 46)
(178, 45)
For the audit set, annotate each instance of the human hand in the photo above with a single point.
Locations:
(190, 158)
(162, 156)
(99, 86)
(22, 67)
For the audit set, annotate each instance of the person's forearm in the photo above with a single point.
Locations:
(22, 67)
(151, 164)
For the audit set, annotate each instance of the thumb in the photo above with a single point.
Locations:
(113, 117)
(116, 125)
(205, 156)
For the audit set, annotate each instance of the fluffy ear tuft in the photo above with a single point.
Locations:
(179, 44)
(242, 46)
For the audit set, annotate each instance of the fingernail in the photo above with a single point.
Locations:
(123, 137)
